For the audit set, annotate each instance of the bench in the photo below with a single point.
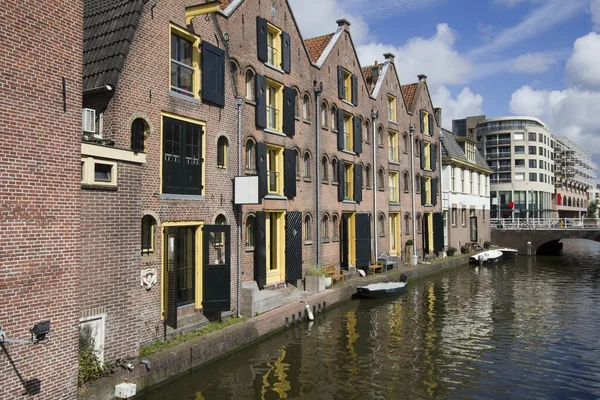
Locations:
(387, 261)
(375, 268)
(330, 271)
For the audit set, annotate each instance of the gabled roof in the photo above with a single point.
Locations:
(368, 74)
(315, 46)
(108, 30)
(225, 4)
(409, 91)
(451, 148)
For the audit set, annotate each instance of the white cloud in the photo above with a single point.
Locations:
(595, 11)
(533, 63)
(466, 103)
(378, 8)
(582, 68)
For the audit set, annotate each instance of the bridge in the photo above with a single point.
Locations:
(544, 234)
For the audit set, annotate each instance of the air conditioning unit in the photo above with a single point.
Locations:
(88, 120)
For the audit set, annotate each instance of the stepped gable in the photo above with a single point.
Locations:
(108, 30)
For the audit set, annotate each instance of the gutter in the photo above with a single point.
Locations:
(238, 103)
(318, 90)
(374, 116)
(98, 89)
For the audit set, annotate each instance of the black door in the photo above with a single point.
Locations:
(363, 240)
(425, 234)
(293, 246)
(216, 268)
(438, 232)
(344, 245)
(473, 229)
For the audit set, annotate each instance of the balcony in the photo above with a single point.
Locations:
(497, 155)
(498, 142)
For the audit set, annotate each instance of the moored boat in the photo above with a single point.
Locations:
(508, 252)
(486, 257)
(378, 290)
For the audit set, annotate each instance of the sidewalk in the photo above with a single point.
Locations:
(201, 350)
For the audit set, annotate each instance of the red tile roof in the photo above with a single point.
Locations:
(316, 46)
(225, 4)
(409, 91)
(368, 74)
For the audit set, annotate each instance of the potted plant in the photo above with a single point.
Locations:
(315, 280)
(487, 244)
(451, 251)
(464, 249)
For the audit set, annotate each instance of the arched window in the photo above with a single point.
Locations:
(297, 110)
(380, 136)
(148, 230)
(325, 169)
(405, 182)
(417, 184)
(380, 183)
(307, 228)
(249, 84)
(325, 227)
(368, 132)
(407, 224)
(219, 242)
(381, 225)
(336, 227)
(222, 146)
(298, 158)
(324, 115)
(418, 222)
(405, 142)
(234, 67)
(368, 176)
(417, 147)
(334, 170)
(220, 220)
(250, 154)
(306, 165)
(333, 118)
(306, 107)
(250, 227)
(139, 130)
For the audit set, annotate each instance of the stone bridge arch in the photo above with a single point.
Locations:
(541, 239)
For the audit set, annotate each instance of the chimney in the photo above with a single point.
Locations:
(375, 73)
(422, 78)
(344, 23)
(438, 115)
(390, 57)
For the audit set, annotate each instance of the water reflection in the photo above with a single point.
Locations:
(521, 329)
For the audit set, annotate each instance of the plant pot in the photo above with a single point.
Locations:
(450, 253)
(408, 253)
(315, 284)
(327, 282)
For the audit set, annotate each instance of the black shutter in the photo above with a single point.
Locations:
(261, 39)
(286, 60)
(363, 240)
(341, 93)
(191, 157)
(216, 278)
(289, 111)
(293, 245)
(422, 152)
(213, 74)
(358, 183)
(432, 155)
(431, 125)
(260, 250)
(354, 96)
(340, 126)
(261, 101)
(357, 131)
(172, 173)
(438, 232)
(423, 192)
(434, 194)
(261, 169)
(170, 286)
(422, 119)
(341, 183)
(289, 172)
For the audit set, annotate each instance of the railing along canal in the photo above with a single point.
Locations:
(545, 223)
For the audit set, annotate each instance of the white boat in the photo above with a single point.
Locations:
(486, 257)
(377, 290)
(508, 252)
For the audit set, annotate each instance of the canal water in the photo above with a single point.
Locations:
(524, 329)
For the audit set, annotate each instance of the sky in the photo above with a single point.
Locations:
(537, 58)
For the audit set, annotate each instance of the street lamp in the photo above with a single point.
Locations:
(411, 129)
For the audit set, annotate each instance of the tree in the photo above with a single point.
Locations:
(592, 208)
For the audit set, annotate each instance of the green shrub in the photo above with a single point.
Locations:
(451, 251)
(464, 249)
(314, 271)
(409, 242)
(90, 367)
(487, 244)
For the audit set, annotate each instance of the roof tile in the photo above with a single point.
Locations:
(315, 46)
(409, 91)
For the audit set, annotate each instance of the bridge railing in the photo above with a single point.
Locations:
(545, 223)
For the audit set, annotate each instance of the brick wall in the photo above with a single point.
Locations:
(39, 193)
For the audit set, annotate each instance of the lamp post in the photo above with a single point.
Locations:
(411, 129)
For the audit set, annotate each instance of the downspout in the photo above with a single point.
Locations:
(318, 90)
(374, 116)
(238, 103)
(411, 129)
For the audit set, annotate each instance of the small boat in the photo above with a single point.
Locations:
(378, 290)
(486, 257)
(508, 253)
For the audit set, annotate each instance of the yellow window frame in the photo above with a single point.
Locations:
(277, 153)
(348, 132)
(277, 250)
(425, 122)
(173, 29)
(393, 184)
(394, 234)
(275, 89)
(349, 181)
(428, 190)
(393, 146)
(273, 46)
(392, 115)
(427, 155)
(347, 85)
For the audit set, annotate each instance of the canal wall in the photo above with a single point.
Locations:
(182, 358)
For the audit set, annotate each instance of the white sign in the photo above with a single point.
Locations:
(246, 190)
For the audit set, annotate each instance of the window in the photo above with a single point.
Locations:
(520, 176)
(392, 109)
(185, 62)
(368, 176)
(334, 170)
(249, 85)
(531, 137)
(348, 132)
(96, 172)
(393, 189)
(427, 190)
(250, 154)
(222, 146)
(250, 227)
(275, 170)
(380, 184)
(333, 118)
(405, 182)
(394, 234)
(307, 166)
(324, 115)
(347, 85)
(519, 136)
(426, 126)
(452, 179)
(540, 138)
(381, 225)
(298, 159)
(532, 164)
(417, 147)
(148, 231)
(540, 151)
(462, 179)
(405, 142)
(532, 177)
(306, 107)
(519, 149)
(367, 131)
(325, 169)
(418, 223)
(427, 154)
(463, 217)
(182, 260)
(454, 216)
(470, 151)
(519, 162)
(393, 146)
(349, 181)
(274, 106)
(139, 131)
(407, 224)
(532, 150)
(296, 104)
(307, 228)
(273, 46)
(325, 227)
(380, 136)
(417, 184)
(183, 154)
(336, 228)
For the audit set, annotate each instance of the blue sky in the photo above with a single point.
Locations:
(493, 57)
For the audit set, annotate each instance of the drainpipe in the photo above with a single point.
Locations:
(318, 89)
(374, 116)
(238, 103)
(411, 129)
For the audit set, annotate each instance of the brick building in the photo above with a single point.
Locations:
(40, 119)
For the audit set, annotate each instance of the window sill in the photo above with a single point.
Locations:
(335, 239)
(347, 102)
(381, 189)
(380, 146)
(394, 203)
(250, 101)
(335, 183)
(307, 121)
(405, 152)
(95, 186)
(297, 178)
(307, 180)
(274, 197)
(274, 132)
(325, 240)
(308, 242)
(368, 188)
(393, 162)
(349, 152)
(393, 122)
(184, 97)
(250, 172)
(333, 130)
(297, 117)
(348, 201)
(168, 196)
(325, 182)
(325, 127)
(249, 249)
(274, 68)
